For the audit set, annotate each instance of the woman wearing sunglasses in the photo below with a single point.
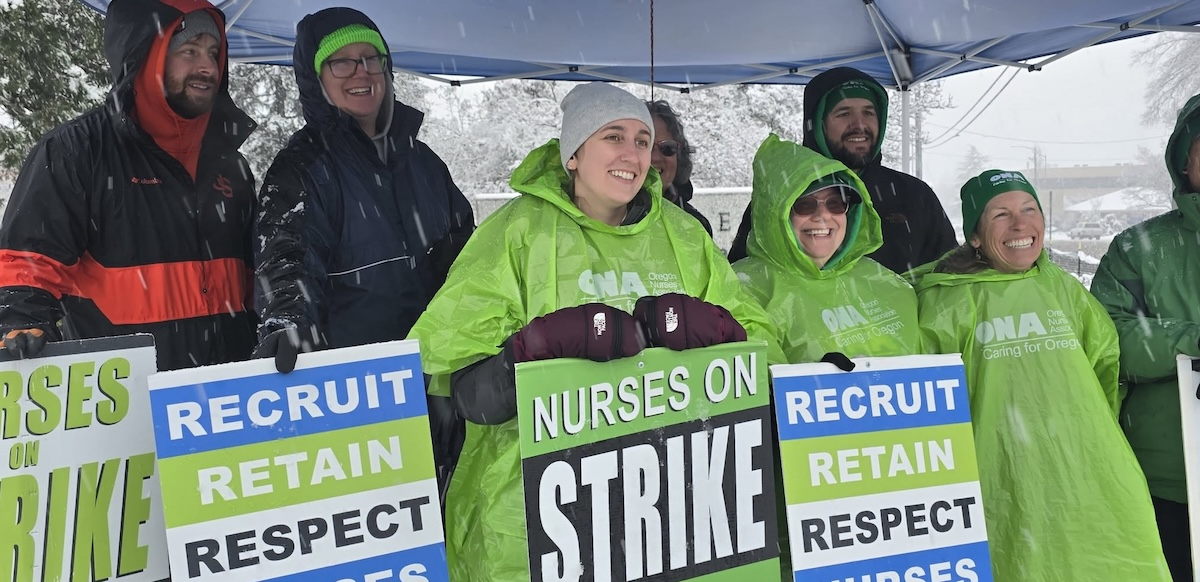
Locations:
(671, 155)
(812, 227)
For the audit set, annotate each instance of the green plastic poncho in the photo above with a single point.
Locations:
(1149, 281)
(534, 255)
(854, 305)
(1063, 494)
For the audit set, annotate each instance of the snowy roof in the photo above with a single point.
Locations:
(1125, 199)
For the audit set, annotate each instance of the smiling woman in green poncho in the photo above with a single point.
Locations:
(588, 237)
(1063, 494)
(813, 226)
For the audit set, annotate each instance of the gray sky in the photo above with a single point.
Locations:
(1094, 96)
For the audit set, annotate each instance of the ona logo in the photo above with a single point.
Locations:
(1006, 176)
(1006, 328)
(599, 324)
(840, 318)
(606, 284)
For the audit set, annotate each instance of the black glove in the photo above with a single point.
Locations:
(838, 359)
(1196, 368)
(592, 331)
(284, 345)
(682, 322)
(24, 343)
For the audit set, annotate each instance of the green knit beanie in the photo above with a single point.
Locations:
(334, 41)
(979, 190)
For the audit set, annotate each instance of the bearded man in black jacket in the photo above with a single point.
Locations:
(845, 115)
(135, 216)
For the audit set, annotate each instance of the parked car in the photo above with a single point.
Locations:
(1088, 230)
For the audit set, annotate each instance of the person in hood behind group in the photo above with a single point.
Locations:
(1062, 492)
(671, 155)
(813, 227)
(135, 217)
(845, 115)
(359, 221)
(1149, 281)
(530, 284)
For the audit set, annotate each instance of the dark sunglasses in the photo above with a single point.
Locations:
(806, 205)
(667, 147)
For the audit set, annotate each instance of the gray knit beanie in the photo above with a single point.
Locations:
(194, 24)
(587, 108)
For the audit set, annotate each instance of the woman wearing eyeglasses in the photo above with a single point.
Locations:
(671, 155)
(358, 220)
(812, 227)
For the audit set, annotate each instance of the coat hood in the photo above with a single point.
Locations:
(542, 175)
(925, 277)
(820, 86)
(782, 172)
(1186, 127)
(132, 26)
(318, 111)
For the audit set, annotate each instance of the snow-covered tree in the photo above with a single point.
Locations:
(1176, 75)
(972, 164)
(52, 68)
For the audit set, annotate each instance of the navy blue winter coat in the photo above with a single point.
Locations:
(350, 248)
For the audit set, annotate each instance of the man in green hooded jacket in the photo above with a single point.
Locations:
(1148, 282)
(867, 309)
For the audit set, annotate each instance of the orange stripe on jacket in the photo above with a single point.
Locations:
(139, 294)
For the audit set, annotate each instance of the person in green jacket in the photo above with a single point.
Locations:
(812, 227)
(557, 272)
(1063, 495)
(1148, 282)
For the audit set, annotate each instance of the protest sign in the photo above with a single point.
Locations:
(323, 473)
(879, 471)
(1188, 371)
(78, 488)
(658, 466)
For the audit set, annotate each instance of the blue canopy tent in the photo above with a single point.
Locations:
(687, 45)
(704, 43)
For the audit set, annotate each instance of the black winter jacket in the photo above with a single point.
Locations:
(350, 248)
(915, 227)
(107, 234)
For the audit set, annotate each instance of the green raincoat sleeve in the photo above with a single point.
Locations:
(1041, 367)
(1149, 336)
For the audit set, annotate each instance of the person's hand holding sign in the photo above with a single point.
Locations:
(591, 331)
(682, 322)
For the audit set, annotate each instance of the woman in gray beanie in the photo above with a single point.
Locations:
(582, 265)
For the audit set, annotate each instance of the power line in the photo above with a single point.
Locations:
(968, 111)
(1027, 140)
(989, 103)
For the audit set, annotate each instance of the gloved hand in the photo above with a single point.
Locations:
(24, 343)
(593, 331)
(284, 345)
(840, 360)
(682, 322)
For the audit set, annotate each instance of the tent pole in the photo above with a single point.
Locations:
(904, 137)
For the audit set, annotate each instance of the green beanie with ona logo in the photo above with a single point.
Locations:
(334, 41)
(979, 190)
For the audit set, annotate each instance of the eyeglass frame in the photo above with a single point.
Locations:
(819, 202)
(670, 144)
(382, 59)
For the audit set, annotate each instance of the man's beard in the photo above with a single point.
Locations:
(187, 107)
(852, 160)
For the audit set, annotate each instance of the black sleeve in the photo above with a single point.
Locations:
(292, 237)
(44, 233)
(486, 392)
(737, 250)
(941, 233)
(462, 224)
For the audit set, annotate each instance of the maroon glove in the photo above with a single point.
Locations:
(681, 322)
(593, 331)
